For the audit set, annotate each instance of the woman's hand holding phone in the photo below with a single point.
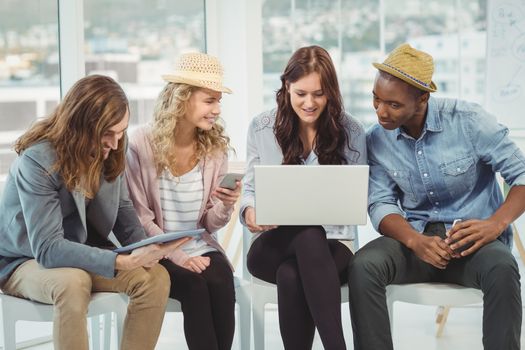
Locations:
(229, 189)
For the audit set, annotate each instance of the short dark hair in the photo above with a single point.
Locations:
(412, 90)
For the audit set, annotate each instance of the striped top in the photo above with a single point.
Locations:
(181, 199)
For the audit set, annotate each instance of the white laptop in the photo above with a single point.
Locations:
(311, 194)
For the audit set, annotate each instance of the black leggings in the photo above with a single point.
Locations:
(208, 303)
(308, 269)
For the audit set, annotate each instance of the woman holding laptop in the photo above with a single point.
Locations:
(308, 263)
(174, 167)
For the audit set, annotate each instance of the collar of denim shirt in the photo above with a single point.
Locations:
(432, 123)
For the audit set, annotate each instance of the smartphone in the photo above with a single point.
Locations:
(464, 247)
(229, 180)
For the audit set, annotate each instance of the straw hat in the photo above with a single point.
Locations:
(198, 69)
(410, 65)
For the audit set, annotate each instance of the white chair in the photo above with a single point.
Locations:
(265, 293)
(13, 309)
(444, 295)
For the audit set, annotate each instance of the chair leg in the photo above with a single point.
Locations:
(8, 339)
(95, 332)
(243, 300)
(107, 330)
(518, 242)
(258, 324)
(441, 319)
(120, 316)
(390, 306)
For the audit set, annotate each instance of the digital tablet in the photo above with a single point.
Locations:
(162, 238)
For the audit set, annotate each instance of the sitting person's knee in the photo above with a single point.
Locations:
(288, 276)
(311, 234)
(73, 281)
(154, 282)
(73, 290)
(505, 269)
(363, 266)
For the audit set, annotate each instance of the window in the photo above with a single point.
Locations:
(29, 73)
(135, 42)
(351, 32)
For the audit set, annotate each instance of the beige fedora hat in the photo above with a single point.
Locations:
(410, 65)
(198, 69)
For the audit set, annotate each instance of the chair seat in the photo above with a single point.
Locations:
(29, 310)
(13, 309)
(445, 294)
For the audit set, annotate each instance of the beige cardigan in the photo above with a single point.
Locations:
(143, 185)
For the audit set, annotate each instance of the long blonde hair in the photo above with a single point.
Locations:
(75, 129)
(171, 106)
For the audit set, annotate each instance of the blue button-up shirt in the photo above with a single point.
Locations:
(446, 174)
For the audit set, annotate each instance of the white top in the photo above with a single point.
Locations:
(181, 199)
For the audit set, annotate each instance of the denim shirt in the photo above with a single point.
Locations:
(446, 174)
(263, 149)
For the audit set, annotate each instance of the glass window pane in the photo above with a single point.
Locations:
(137, 41)
(360, 47)
(430, 26)
(324, 14)
(473, 18)
(452, 31)
(29, 72)
(277, 45)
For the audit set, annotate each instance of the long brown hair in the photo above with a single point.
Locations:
(75, 129)
(170, 107)
(332, 138)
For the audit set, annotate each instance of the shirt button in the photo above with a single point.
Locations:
(425, 174)
(431, 193)
(435, 211)
(437, 203)
(395, 173)
(458, 169)
(419, 152)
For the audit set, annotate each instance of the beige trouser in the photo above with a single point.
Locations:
(69, 290)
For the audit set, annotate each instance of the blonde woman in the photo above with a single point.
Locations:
(174, 169)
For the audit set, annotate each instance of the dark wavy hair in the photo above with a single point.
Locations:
(75, 129)
(331, 138)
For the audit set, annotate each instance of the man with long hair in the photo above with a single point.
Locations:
(64, 194)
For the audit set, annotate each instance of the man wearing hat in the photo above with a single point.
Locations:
(433, 161)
